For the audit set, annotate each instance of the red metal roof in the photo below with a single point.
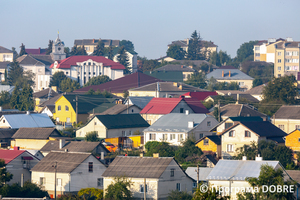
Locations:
(71, 61)
(166, 105)
(200, 95)
(9, 155)
(120, 85)
(38, 51)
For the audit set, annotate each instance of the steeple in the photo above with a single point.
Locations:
(58, 47)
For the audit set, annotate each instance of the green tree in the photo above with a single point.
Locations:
(187, 149)
(5, 176)
(15, 71)
(76, 51)
(268, 176)
(257, 82)
(91, 92)
(110, 53)
(245, 52)
(91, 136)
(219, 59)
(210, 194)
(4, 98)
(99, 51)
(97, 80)
(22, 50)
(123, 59)
(128, 45)
(69, 197)
(68, 85)
(148, 65)
(163, 148)
(91, 194)
(57, 78)
(29, 190)
(179, 195)
(194, 47)
(21, 99)
(67, 51)
(125, 94)
(197, 80)
(15, 53)
(176, 52)
(119, 189)
(49, 49)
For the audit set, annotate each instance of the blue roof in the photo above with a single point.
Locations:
(140, 102)
(235, 75)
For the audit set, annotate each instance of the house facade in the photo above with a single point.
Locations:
(91, 44)
(292, 140)
(6, 55)
(287, 118)
(210, 144)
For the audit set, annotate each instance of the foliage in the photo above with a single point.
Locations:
(91, 136)
(97, 80)
(257, 82)
(123, 59)
(187, 149)
(119, 189)
(245, 52)
(281, 89)
(128, 45)
(91, 194)
(5, 176)
(69, 85)
(268, 176)
(67, 51)
(22, 99)
(178, 195)
(15, 72)
(219, 59)
(56, 79)
(22, 50)
(194, 47)
(110, 53)
(210, 194)
(163, 148)
(75, 51)
(29, 190)
(49, 49)
(15, 54)
(148, 65)
(100, 50)
(125, 94)
(4, 98)
(213, 85)
(176, 52)
(69, 196)
(197, 80)
(98, 92)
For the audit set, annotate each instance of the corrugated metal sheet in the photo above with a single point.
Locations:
(203, 172)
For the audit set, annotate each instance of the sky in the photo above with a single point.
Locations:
(150, 24)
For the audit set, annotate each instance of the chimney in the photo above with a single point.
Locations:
(27, 112)
(158, 88)
(229, 74)
(102, 155)
(258, 158)
(181, 66)
(142, 154)
(0, 108)
(61, 143)
(156, 155)
(191, 66)
(237, 98)
(289, 39)
(16, 148)
(191, 124)
(180, 87)
(223, 73)
(244, 157)
(187, 112)
(93, 40)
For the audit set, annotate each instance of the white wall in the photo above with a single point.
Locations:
(271, 57)
(43, 82)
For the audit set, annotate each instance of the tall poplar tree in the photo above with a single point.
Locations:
(22, 50)
(49, 49)
(123, 59)
(99, 51)
(194, 47)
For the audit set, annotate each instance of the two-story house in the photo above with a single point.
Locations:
(287, 118)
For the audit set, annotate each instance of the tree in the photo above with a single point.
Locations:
(97, 80)
(110, 53)
(245, 52)
(163, 148)
(125, 94)
(76, 51)
(91, 136)
(176, 52)
(148, 65)
(123, 59)
(219, 59)
(15, 54)
(119, 189)
(257, 82)
(281, 89)
(15, 71)
(67, 51)
(49, 49)
(178, 195)
(128, 45)
(56, 79)
(91, 193)
(268, 176)
(21, 99)
(99, 51)
(187, 149)
(213, 85)
(91, 92)
(22, 50)
(68, 85)
(211, 194)
(4, 98)
(194, 47)
(197, 80)
(5, 176)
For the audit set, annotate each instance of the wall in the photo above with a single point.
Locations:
(4, 123)
(6, 57)
(63, 114)
(210, 147)
(43, 82)
(159, 137)
(289, 124)
(30, 144)
(151, 118)
(247, 83)
(93, 125)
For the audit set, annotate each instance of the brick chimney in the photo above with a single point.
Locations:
(223, 73)
(229, 74)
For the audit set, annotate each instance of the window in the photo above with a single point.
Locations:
(279, 68)
(95, 123)
(281, 127)
(297, 127)
(208, 123)
(298, 139)
(90, 166)
(67, 72)
(295, 53)
(229, 147)
(227, 125)
(180, 137)
(205, 142)
(152, 136)
(42, 180)
(67, 108)
(279, 60)
(142, 188)
(241, 83)
(123, 133)
(41, 83)
(3, 121)
(68, 120)
(288, 53)
(295, 60)
(129, 133)
(59, 108)
(172, 137)
(257, 54)
(58, 182)
(194, 184)
(279, 75)
(172, 172)
(279, 54)
(178, 186)
(100, 182)
(231, 133)
(181, 110)
(247, 134)
(200, 135)
(165, 137)
(256, 48)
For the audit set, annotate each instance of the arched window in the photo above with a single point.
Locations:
(67, 108)
(59, 108)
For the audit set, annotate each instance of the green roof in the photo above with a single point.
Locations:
(122, 121)
(86, 103)
(171, 76)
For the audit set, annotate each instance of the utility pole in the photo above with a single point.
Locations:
(22, 180)
(145, 188)
(219, 114)
(127, 105)
(76, 109)
(55, 170)
(197, 176)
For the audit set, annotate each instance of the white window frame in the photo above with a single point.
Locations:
(230, 148)
(172, 136)
(152, 136)
(42, 180)
(100, 182)
(232, 131)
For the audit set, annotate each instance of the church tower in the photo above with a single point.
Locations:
(58, 50)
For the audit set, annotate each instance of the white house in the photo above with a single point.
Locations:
(160, 174)
(177, 127)
(74, 171)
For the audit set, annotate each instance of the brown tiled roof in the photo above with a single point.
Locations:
(29, 60)
(248, 97)
(43, 94)
(282, 45)
(5, 50)
(36, 133)
(7, 133)
(72, 146)
(287, 112)
(66, 162)
(137, 167)
(116, 109)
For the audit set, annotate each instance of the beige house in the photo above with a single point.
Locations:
(161, 175)
(109, 126)
(74, 171)
(287, 118)
(186, 71)
(6, 55)
(91, 44)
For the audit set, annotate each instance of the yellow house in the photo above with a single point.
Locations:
(66, 105)
(34, 138)
(211, 143)
(292, 140)
(42, 96)
(6, 55)
(287, 118)
(91, 44)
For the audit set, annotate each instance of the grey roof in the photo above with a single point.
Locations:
(215, 138)
(168, 87)
(140, 102)
(66, 162)
(288, 112)
(5, 50)
(72, 146)
(50, 101)
(137, 167)
(238, 169)
(107, 42)
(4, 65)
(258, 90)
(235, 75)
(116, 109)
(46, 59)
(43, 94)
(285, 44)
(173, 67)
(7, 133)
(7, 88)
(36, 133)
(177, 122)
(29, 60)
(294, 174)
(203, 172)
(248, 97)
(30, 121)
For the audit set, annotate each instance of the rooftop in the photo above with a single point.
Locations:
(174, 67)
(71, 146)
(229, 74)
(288, 112)
(36, 133)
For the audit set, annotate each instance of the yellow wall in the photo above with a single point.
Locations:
(247, 83)
(263, 57)
(292, 140)
(29, 143)
(210, 147)
(137, 140)
(63, 114)
(289, 125)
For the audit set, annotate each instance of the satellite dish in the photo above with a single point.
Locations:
(229, 93)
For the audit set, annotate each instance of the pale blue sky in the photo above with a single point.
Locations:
(150, 24)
